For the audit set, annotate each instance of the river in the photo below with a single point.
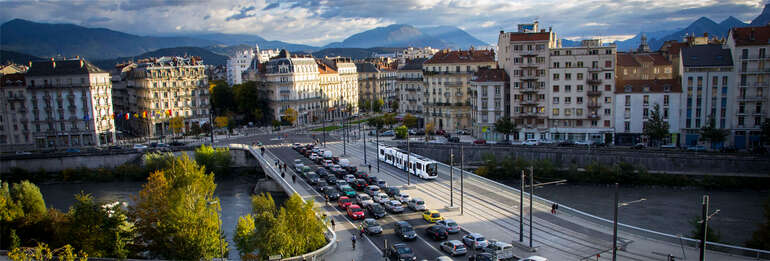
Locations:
(233, 194)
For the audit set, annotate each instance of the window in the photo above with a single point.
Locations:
(556, 88)
(608, 112)
(665, 113)
(627, 126)
(579, 87)
(567, 88)
(580, 76)
(555, 111)
(608, 76)
(646, 100)
(567, 100)
(579, 100)
(607, 100)
(567, 76)
(555, 76)
(665, 100)
(628, 100)
(645, 113)
(555, 100)
(555, 64)
(607, 64)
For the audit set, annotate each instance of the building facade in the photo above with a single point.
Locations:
(165, 88)
(369, 84)
(57, 104)
(292, 81)
(237, 64)
(490, 101)
(643, 66)
(447, 76)
(749, 47)
(412, 53)
(411, 88)
(580, 94)
(339, 86)
(708, 90)
(635, 102)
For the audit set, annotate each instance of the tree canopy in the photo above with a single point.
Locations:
(505, 126)
(410, 121)
(713, 134)
(655, 127)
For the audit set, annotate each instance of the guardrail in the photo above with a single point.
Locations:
(269, 167)
(646, 233)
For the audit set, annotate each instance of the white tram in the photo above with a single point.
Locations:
(419, 166)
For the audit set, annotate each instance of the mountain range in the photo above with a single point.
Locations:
(404, 35)
(207, 56)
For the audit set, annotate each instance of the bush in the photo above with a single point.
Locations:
(216, 160)
(401, 132)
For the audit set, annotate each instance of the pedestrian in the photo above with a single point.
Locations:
(293, 178)
(283, 175)
(370, 168)
(327, 200)
(323, 217)
(555, 207)
(332, 224)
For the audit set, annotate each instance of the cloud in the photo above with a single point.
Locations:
(97, 19)
(487, 24)
(244, 13)
(271, 6)
(595, 24)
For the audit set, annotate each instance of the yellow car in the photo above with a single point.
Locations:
(432, 216)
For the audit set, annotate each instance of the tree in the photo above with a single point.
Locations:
(410, 121)
(429, 128)
(389, 119)
(100, 231)
(176, 123)
(394, 105)
(290, 116)
(222, 121)
(250, 101)
(656, 128)
(760, 239)
(363, 105)
(713, 134)
(176, 215)
(505, 126)
(765, 129)
(697, 230)
(213, 159)
(195, 128)
(24, 201)
(401, 132)
(222, 99)
(43, 253)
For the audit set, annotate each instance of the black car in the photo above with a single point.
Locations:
(437, 232)
(376, 210)
(313, 178)
(361, 175)
(405, 231)
(331, 179)
(359, 184)
(482, 257)
(176, 143)
(332, 192)
(392, 191)
(401, 252)
(350, 169)
(322, 172)
(372, 180)
(454, 139)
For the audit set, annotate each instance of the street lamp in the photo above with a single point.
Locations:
(615, 220)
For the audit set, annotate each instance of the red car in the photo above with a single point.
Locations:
(355, 212)
(344, 202)
(480, 142)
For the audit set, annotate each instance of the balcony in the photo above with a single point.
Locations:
(459, 94)
(594, 69)
(528, 90)
(530, 114)
(528, 52)
(447, 94)
(530, 102)
(594, 93)
(16, 98)
(529, 77)
(594, 105)
(528, 65)
(594, 81)
(760, 84)
(593, 116)
(453, 84)
(751, 98)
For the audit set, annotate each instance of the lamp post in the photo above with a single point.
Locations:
(704, 226)
(408, 158)
(521, 209)
(323, 122)
(462, 195)
(451, 177)
(615, 219)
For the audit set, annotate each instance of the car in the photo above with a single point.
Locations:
(355, 212)
(298, 167)
(340, 183)
(453, 139)
(350, 178)
(404, 231)
(350, 169)
(669, 146)
(359, 184)
(416, 204)
(331, 192)
(140, 147)
(344, 201)
(381, 197)
(432, 216)
(584, 142)
(176, 143)
(361, 174)
(531, 142)
(381, 183)
(318, 160)
(441, 132)
(327, 163)
(565, 143)
(437, 232)
(364, 199)
(392, 191)
(331, 179)
(453, 247)
(403, 197)
(500, 250)
(306, 169)
(480, 141)
(313, 178)
(482, 257)
(371, 227)
(296, 146)
(639, 146)
(348, 191)
(394, 206)
(313, 156)
(443, 258)
(297, 161)
(545, 141)
(696, 148)
(322, 172)
(23, 153)
(451, 226)
(475, 240)
(534, 258)
(72, 150)
(388, 133)
(372, 190)
(375, 210)
(372, 180)
(401, 252)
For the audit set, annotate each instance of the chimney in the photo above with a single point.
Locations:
(542, 30)
(705, 34)
(501, 32)
(549, 28)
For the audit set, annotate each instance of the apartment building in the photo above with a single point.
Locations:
(524, 55)
(339, 86)
(370, 83)
(643, 66)
(635, 102)
(56, 104)
(12, 68)
(411, 87)
(291, 81)
(412, 53)
(708, 90)
(237, 64)
(582, 81)
(490, 101)
(389, 76)
(749, 47)
(447, 75)
(165, 88)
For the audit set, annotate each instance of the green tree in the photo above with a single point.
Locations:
(429, 128)
(100, 231)
(410, 121)
(176, 123)
(176, 215)
(214, 159)
(27, 196)
(363, 105)
(760, 239)
(394, 105)
(713, 134)
(222, 99)
(505, 126)
(244, 238)
(376, 122)
(655, 127)
(250, 101)
(389, 119)
(158, 160)
(43, 253)
(401, 132)
(290, 116)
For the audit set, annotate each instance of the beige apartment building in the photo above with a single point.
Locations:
(56, 104)
(339, 86)
(411, 87)
(165, 88)
(581, 92)
(490, 101)
(749, 47)
(447, 75)
(370, 81)
(643, 66)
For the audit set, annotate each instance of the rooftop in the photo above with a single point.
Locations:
(636, 59)
(413, 64)
(62, 67)
(462, 56)
(757, 35)
(13, 79)
(706, 55)
(490, 75)
(366, 67)
(522, 37)
(648, 86)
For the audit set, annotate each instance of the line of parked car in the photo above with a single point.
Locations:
(366, 197)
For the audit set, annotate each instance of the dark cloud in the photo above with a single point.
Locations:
(244, 13)
(271, 6)
(97, 19)
(134, 5)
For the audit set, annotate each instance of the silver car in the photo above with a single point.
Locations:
(451, 226)
(394, 206)
(475, 240)
(454, 247)
(416, 204)
(371, 227)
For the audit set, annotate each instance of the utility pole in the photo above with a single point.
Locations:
(531, 194)
(377, 135)
(364, 139)
(615, 226)
(323, 122)
(211, 125)
(408, 158)
(451, 177)
(521, 209)
(704, 227)
(462, 194)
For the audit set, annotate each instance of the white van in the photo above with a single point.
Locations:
(327, 154)
(344, 163)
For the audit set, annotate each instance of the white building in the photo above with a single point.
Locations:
(339, 86)
(237, 64)
(57, 104)
(490, 101)
(749, 47)
(582, 81)
(708, 90)
(635, 101)
(411, 87)
(415, 53)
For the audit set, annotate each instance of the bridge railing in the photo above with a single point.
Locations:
(651, 234)
(274, 174)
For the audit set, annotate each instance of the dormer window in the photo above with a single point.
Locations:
(627, 88)
(646, 89)
(667, 88)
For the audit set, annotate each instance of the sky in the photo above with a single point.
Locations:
(319, 22)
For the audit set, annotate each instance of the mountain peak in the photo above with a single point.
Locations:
(703, 21)
(763, 18)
